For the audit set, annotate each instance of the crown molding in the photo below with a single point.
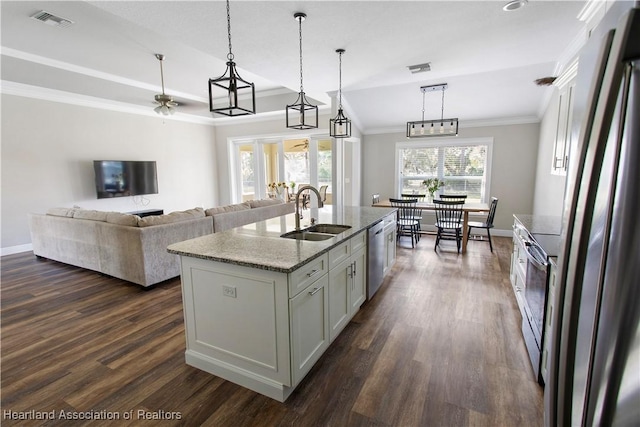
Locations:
(25, 56)
(53, 95)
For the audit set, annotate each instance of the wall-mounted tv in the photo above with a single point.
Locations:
(120, 178)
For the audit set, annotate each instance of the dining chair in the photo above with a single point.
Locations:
(488, 224)
(418, 217)
(448, 221)
(453, 197)
(323, 192)
(406, 224)
(420, 197)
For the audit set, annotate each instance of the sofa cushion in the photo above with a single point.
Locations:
(229, 208)
(90, 214)
(67, 212)
(122, 219)
(264, 202)
(177, 216)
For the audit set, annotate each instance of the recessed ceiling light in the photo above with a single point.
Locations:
(514, 5)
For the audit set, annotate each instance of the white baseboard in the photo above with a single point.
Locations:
(16, 249)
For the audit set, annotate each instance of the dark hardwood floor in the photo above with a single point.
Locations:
(439, 345)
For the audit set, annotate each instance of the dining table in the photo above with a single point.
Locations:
(467, 208)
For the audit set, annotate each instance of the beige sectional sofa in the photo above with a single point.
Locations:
(133, 248)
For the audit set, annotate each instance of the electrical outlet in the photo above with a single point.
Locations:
(229, 291)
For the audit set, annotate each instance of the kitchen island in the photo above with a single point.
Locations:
(261, 309)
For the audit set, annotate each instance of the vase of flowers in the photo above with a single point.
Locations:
(432, 185)
(278, 189)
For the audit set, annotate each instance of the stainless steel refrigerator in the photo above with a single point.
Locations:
(594, 362)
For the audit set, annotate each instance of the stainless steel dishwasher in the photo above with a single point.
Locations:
(375, 258)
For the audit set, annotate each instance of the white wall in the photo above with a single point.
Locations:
(48, 150)
(513, 167)
(549, 189)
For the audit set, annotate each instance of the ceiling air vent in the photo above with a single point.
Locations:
(50, 19)
(420, 68)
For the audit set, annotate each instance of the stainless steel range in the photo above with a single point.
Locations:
(536, 242)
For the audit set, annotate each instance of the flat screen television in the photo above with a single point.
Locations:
(121, 178)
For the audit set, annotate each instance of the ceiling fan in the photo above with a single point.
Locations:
(166, 103)
(304, 145)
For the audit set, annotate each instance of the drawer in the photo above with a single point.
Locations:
(339, 253)
(358, 241)
(307, 274)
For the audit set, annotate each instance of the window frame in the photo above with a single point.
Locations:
(258, 142)
(441, 143)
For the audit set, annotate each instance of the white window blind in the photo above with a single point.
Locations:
(463, 166)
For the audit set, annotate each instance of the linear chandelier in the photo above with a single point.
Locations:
(237, 97)
(301, 114)
(340, 125)
(437, 127)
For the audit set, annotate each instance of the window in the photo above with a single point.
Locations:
(464, 166)
(255, 163)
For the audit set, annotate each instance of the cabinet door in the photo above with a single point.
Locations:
(309, 327)
(389, 248)
(563, 129)
(340, 287)
(358, 281)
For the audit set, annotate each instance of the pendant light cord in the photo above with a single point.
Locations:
(340, 83)
(300, 19)
(230, 55)
(442, 111)
(423, 94)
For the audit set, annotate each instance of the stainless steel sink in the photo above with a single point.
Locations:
(328, 228)
(307, 235)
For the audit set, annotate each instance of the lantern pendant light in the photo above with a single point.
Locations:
(340, 125)
(301, 114)
(235, 96)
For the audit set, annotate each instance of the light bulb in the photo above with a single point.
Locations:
(413, 130)
(422, 129)
(340, 129)
(441, 127)
(452, 130)
(431, 130)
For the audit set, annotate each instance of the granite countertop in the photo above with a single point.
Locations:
(259, 245)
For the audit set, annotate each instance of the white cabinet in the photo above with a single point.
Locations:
(347, 282)
(237, 322)
(265, 330)
(389, 242)
(358, 280)
(339, 290)
(549, 312)
(309, 327)
(566, 85)
(518, 273)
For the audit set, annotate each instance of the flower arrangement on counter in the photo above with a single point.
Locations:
(432, 185)
(279, 188)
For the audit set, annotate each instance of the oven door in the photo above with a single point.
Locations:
(535, 290)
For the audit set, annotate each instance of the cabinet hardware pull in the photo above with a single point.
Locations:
(354, 268)
(312, 273)
(314, 291)
(350, 271)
